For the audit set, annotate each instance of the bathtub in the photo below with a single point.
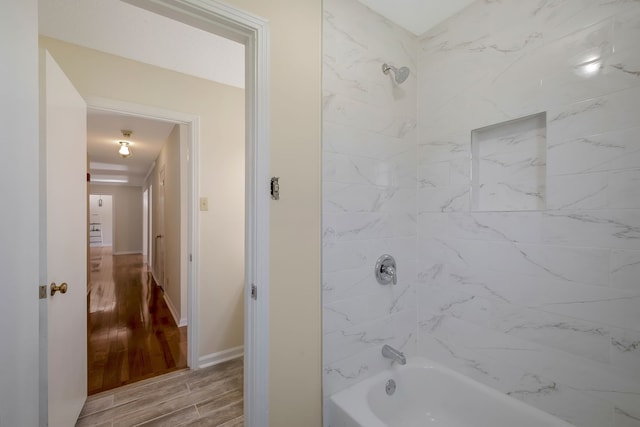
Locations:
(429, 394)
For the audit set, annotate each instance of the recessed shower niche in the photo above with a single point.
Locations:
(508, 165)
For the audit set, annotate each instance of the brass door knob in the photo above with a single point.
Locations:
(62, 288)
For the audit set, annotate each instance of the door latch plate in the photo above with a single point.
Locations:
(275, 188)
(42, 292)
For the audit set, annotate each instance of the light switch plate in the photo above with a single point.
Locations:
(204, 204)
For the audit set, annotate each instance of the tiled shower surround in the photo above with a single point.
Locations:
(369, 192)
(540, 301)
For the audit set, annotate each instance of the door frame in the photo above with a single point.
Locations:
(145, 224)
(253, 32)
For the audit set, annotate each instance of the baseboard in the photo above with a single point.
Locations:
(221, 356)
(155, 279)
(128, 253)
(174, 313)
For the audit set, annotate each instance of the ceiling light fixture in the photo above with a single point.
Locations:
(124, 150)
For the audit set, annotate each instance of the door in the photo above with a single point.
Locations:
(160, 236)
(145, 224)
(64, 121)
(151, 239)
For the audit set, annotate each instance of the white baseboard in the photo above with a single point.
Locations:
(174, 313)
(127, 253)
(221, 356)
(155, 279)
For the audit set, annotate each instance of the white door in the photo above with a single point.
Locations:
(160, 235)
(64, 129)
(150, 247)
(145, 224)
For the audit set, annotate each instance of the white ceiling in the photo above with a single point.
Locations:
(417, 16)
(121, 29)
(103, 134)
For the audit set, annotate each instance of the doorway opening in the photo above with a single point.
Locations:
(252, 32)
(100, 220)
(136, 311)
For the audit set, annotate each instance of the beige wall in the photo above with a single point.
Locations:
(296, 101)
(127, 216)
(221, 111)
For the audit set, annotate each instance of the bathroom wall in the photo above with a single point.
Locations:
(19, 247)
(295, 28)
(369, 196)
(539, 300)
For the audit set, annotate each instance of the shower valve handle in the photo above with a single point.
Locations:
(386, 270)
(390, 271)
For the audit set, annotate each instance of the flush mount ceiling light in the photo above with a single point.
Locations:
(124, 150)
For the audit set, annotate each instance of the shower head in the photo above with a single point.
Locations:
(400, 74)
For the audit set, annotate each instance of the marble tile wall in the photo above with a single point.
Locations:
(543, 303)
(508, 165)
(369, 192)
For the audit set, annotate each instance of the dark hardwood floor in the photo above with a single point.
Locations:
(131, 333)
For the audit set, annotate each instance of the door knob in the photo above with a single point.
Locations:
(55, 288)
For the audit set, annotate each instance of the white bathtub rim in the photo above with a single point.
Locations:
(353, 400)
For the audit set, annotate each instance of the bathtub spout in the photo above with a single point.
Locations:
(393, 354)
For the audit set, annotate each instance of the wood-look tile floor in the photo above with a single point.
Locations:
(206, 397)
(130, 331)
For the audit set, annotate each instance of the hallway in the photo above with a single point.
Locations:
(131, 333)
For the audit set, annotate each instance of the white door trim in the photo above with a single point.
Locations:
(227, 21)
(193, 123)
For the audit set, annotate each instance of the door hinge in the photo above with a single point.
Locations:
(42, 292)
(190, 257)
(254, 291)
